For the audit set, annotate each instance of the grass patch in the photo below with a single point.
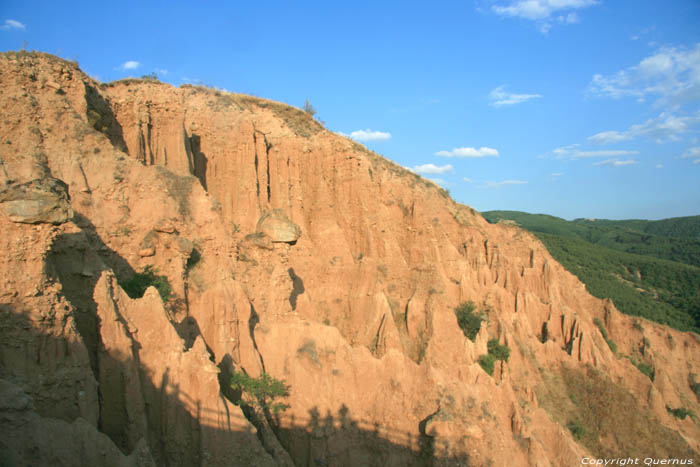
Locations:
(576, 429)
(308, 348)
(604, 332)
(645, 368)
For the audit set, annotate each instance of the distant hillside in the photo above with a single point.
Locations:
(676, 239)
(648, 268)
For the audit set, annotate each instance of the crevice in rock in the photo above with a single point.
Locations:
(267, 157)
(101, 117)
(297, 288)
(252, 322)
(374, 347)
(199, 159)
(256, 162)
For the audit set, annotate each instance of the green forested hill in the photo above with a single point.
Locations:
(676, 239)
(648, 268)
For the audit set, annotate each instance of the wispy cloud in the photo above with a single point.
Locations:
(665, 127)
(12, 24)
(617, 162)
(432, 169)
(469, 152)
(503, 183)
(543, 12)
(609, 137)
(671, 75)
(604, 153)
(557, 174)
(468, 180)
(570, 152)
(130, 65)
(659, 166)
(368, 135)
(162, 71)
(499, 97)
(691, 153)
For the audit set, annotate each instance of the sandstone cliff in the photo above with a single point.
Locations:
(294, 251)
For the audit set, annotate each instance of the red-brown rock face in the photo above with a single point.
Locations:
(356, 312)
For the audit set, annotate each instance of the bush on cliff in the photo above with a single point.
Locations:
(136, 286)
(468, 319)
(261, 392)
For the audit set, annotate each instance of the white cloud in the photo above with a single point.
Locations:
(604, 153)
(557, 174)
(665, 127)
(12, 24)
(543, 12)
(130, 65)
(432, 169)
(564, 150)
(369, 135)
(539, 9)
(469, 152)
(671, 75)
(503, 183)
(608, 137)
(659, 166)
(696, 161)
(162, 71)
(691, 152)
(617, 162)
(500, 97)
(468, 180)
(570, 152)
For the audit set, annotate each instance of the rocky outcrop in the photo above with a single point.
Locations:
(44, 200)
(358, 317)
(277, 226)
(28, 439)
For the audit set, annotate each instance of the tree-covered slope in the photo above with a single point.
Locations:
(645, 274)
(676, 239)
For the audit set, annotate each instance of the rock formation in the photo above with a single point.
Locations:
(293, 251)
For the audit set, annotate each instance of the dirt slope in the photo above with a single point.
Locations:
(357, 314)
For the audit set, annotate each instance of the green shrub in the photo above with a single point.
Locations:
(308, 108)
(680, 412)
(496, 352)
(576, 429)
(136, 286)
(499, 352)
(487, 362)
(645, 368)
(469, 320)
(261, 392)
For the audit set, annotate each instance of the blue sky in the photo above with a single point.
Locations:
(576, 108)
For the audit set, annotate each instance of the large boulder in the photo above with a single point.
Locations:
(43, 200)
(276, 225)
